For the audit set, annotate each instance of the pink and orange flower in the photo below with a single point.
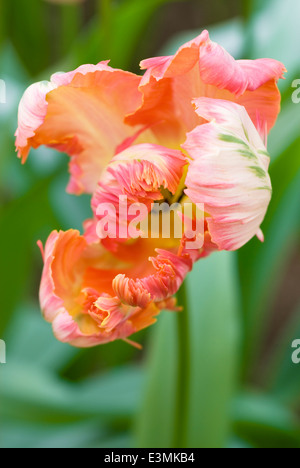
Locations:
(193, 128)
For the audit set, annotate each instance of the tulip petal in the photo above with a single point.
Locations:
(170, 272)
(228, 173)
(93, 297)
(139, 174)
(203, 68)
(81, 113)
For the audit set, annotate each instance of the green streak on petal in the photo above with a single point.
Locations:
(258, 171)
(265, 187)
(232, 139)
(248, 153)
(265, 153)
(246, 133)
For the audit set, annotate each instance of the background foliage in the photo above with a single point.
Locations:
(234, 385)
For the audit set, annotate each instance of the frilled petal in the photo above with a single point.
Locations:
(146, 168)
(170, 272)
(202, 68)
(139, 173)
(81, 113)
(228, 173)
(92, 296)
(32, 113)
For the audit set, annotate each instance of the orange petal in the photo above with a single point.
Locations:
(80, 113)
(92, 296)
(203, 68)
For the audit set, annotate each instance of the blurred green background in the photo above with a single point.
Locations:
(235, 384)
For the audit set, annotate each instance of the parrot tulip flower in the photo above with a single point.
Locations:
(192, 130)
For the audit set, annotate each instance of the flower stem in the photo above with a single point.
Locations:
(183, 378)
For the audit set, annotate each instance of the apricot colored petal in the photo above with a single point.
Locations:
(81, 113)
(78, 295)
(67, 330)
(51, 303)
(170, 271)
(203, 68)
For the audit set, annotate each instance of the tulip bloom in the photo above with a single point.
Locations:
(92, 297)
(192, 130)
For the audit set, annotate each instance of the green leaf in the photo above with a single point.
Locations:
(83, 434)
(286, 131)
(274, 28)
(230, 34)
(214, 350)
(22, 223)
(30, 340)
(71, 18)
(130, 21)
(191, 382)
(261, 264)
(71, 211)
(21, 14)
(156, 419)
(117, 441)
(264, 423)
(116, 34)
(30, 393)
(285, 382)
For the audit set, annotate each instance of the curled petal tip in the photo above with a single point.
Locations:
(260, 235)
(41, 247)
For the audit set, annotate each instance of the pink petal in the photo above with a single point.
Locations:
(170, 272)
(228, 173)
(138, 173)
(203, 68)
